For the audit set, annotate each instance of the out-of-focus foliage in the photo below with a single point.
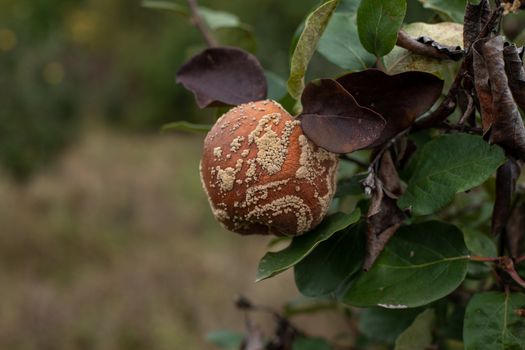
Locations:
(38, 99)
(61, 60)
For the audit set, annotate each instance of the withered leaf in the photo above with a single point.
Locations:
(507, 129)
(453, 52)
(481, 83)
(333, 119)
(515, 73)
(399, 98)
(506, 178)
(223, 76)
(389, 177)
(384, 216)
(476, 16)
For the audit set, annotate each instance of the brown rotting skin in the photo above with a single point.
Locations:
(262, 175)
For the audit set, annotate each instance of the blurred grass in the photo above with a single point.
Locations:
(114, 247)
(97, 252)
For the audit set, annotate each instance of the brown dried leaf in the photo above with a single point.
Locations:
(374, 186)
(508, 130)
(381, 228)
(476, 16)
(389, 177)
(481, 83)
(506, 178)
(333, 119)
(399, 98)
(384, 216)
(515, 74)
(223, 76)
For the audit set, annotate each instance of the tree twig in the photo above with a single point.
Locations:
(407, 42)
(385, 147)
(200, 25)
(468, 111)
(508, 265)
(448, 104)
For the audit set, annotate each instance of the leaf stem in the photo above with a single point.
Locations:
(200, 25)
(484, 259)
(508, 265)
(468, 112)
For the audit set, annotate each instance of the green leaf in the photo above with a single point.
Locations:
(419, 335)
(447, 165)
(314, 27)
(420, 264)
(276, 86)
(378, 22)
(481, 245)
(310, 344)
(348, 6)
(274, 263)
(385, 325)
(186, 126)
(167, 5)
(340, 44)
(218, 19)
(449, 10)
(492, 322)
(450, 320)
(225, 339)
(401, 60)
(332, 262)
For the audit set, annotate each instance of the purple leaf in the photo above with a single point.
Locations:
(223, 76)
(333, 119)
(399, 98)
(476, 16)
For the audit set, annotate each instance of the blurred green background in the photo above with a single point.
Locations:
(106, 238)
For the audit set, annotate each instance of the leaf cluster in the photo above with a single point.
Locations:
(426, 232)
